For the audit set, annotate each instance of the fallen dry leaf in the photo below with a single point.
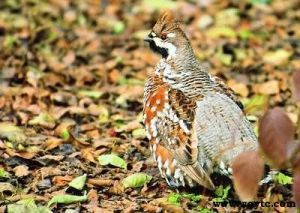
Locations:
(6, 187)
(61, 180)
(276, 132)
(21, 171)
(88, 154)
(247, 170)
(25, 155)
(50, 171)
(238, 88)
(117, 188)
(168, 206)
(296, 86)
(93, 198)
(100, 182)
(52, 143)
(151, 208)
(268, 88)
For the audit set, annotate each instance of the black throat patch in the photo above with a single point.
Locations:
(160, 50)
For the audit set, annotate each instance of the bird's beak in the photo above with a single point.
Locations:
(147, 39)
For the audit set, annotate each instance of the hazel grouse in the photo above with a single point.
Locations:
(195, 123)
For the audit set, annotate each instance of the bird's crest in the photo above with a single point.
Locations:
(166, 17)
(166, 22)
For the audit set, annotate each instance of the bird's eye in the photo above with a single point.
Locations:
(163, 36)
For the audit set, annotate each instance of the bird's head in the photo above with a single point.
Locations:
(166, 37)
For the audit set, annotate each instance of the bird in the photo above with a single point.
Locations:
(195, 123)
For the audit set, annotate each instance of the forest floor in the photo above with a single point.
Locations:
(72, 75)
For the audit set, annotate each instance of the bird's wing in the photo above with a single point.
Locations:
(180, 141)
(222, 130)
(222, 88)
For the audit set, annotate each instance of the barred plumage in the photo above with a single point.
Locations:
(194, 122)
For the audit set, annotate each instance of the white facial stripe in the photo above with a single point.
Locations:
(153, 34)
(171, 35)
(170, 47)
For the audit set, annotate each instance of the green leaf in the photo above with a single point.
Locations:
(33, 149)
(28, 202)
(174, 198)
(240, 54)
(10, 41)
(283, 179)
(141, 34)
(193, 197)
(222, 192)
(43, 119)
(118, 27)
(81, 19)
(245, 34)
(130, 81)
(12, 133)
(139, 133)
(226, 59)
(64, 134)
(260, 1)
(90, 93)
(136, 180)
(255, 104)
(13, 208)
(3, 173)
(227, 17)
(103, 114)
(158, 4)
(201, 209)
(277, 57)
(78, 182)
(121, 101)
(12, 3)
(28, 206)
(217, 32)
(33, 75)
(112, 159)
(66, 199)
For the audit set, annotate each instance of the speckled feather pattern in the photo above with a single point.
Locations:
(195, 123)
(200, 132)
